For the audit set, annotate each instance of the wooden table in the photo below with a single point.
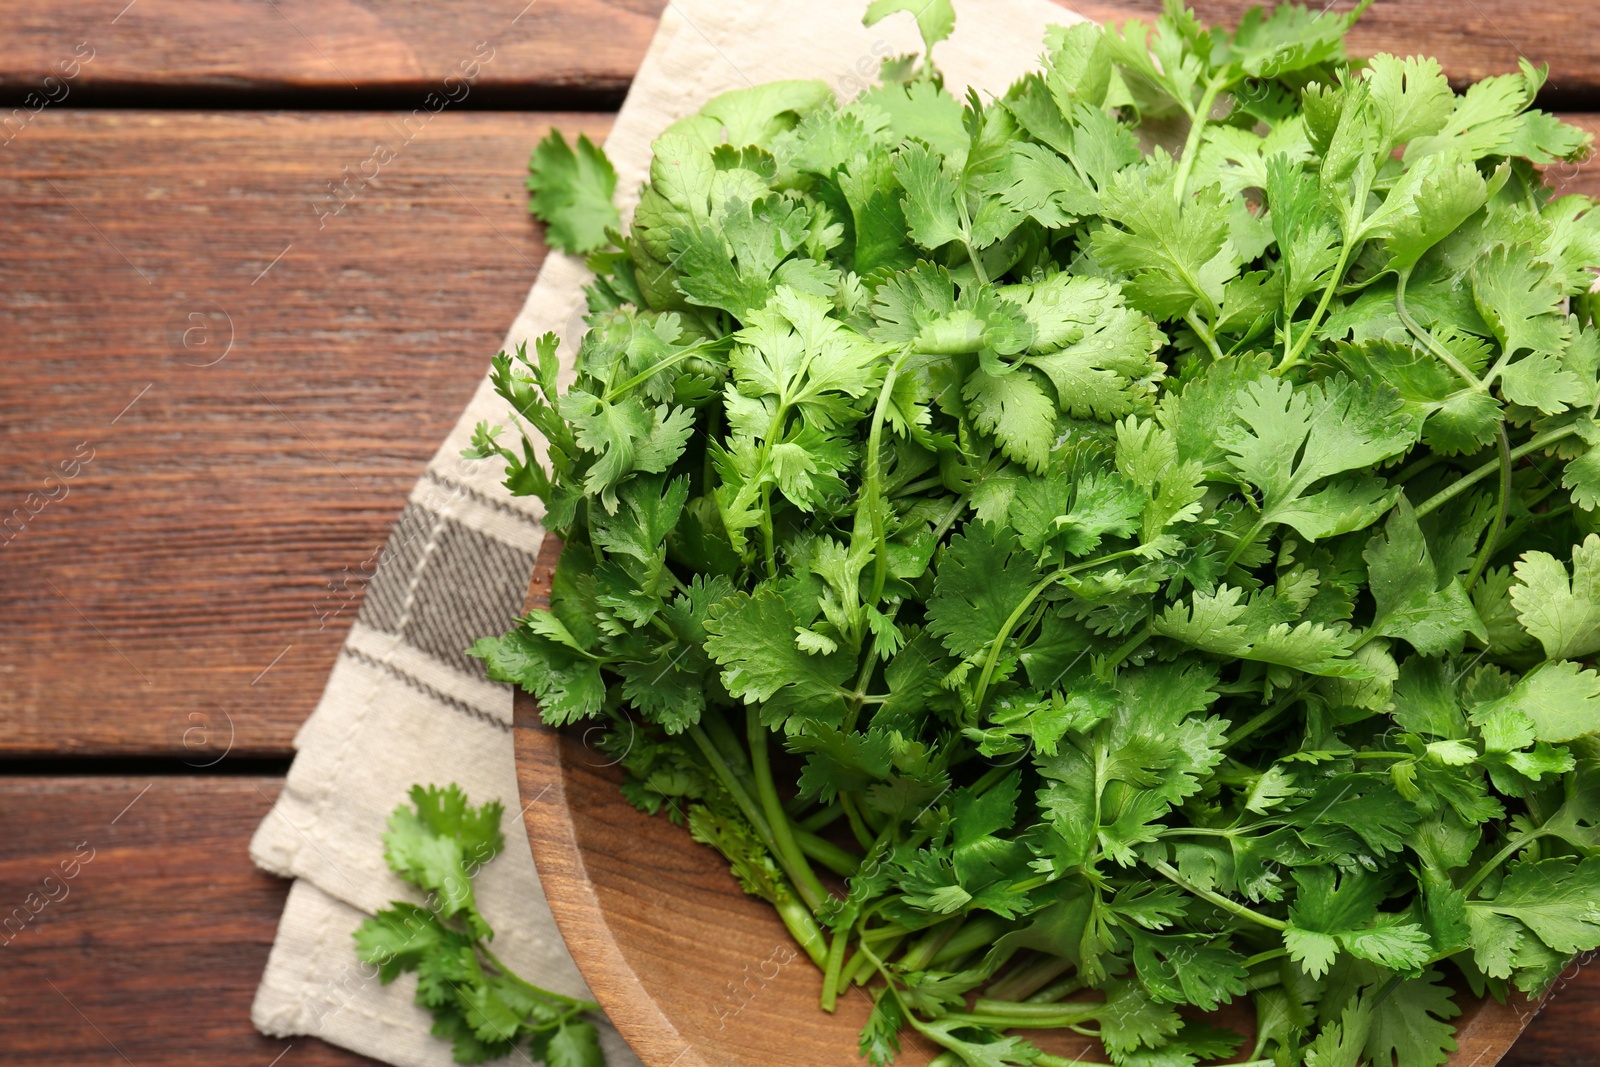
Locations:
(244, 335)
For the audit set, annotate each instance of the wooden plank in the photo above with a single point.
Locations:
(149, 939)
(205, 51)
(175, 595)
(563, 51)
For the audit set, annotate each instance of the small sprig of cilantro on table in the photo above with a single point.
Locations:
(438, 844)
(1121, 547)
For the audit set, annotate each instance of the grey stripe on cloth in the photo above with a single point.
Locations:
(445, 586)
(404, 703)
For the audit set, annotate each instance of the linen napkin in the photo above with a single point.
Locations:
(404, 703)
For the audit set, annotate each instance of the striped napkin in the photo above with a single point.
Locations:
(404, 703)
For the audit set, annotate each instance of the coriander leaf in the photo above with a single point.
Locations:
(1520, 301)
(1560, 700)
(1411, 97)
(980, 582)
(1218, 623)
(1131, 1018)
(1555, 898)
(753, 639)
(1329, 915)
(1174, 250)
(1406, 587)
(935, 18)
(1342, 1043)
(568, 685)
(398, 938)
(438, 845)
(572, 193)
(1582, 477)
(922, 111)
(575, 1044)
(930, 201)
(1291, 438)
(755, 115)
(1037, 182)
(1564, 617)
(1014, 408)
(1099, 355)
(1412, 1025)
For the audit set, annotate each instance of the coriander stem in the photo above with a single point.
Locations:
(1016, 616)
(966, 238)
(1232, 907)
(1197, 125)
(1026, 980)
(872, 496)
(860, 968)
(571, 1002)
(1432, 344)
(1205, 334)
(1246, 539)
(831, 970)
(1061, 987)
(1512, 847)
(858, 826)
(820, 818)
(840, 861)
(735, 788)
(1491, 540)
(1130, 646)
(922, 952)
(971, 935)
(1293, 357)
(1461, 485)
(780, 417)
(858, 695)
(1266, 957)
(660, 365)
(957, 506)
(788, 850)
(1025, 1016)
(802, 926)
(1411, 470)
(766, 531)
(1265, 716)
(732, 749)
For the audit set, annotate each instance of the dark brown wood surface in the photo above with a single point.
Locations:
(359, 53)
(133, 928)
(587, 50)
(193, 582)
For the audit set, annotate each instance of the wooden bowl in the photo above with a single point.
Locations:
(693, 972)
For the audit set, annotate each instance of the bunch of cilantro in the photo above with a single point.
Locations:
(438, 844)
(1102, 553)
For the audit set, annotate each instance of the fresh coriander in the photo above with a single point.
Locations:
(571, 191)
(1076, 581)
(438, 844)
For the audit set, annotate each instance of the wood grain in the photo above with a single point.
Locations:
(202, 52)
(364, 53)
(152, 948)
(695, 973)
(179, 585)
